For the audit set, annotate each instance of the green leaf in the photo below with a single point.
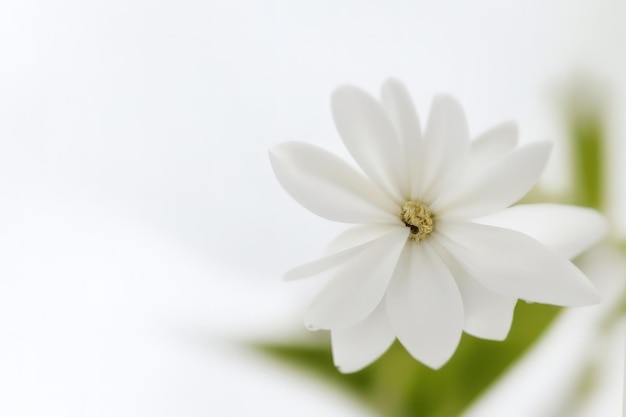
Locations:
(399, 386)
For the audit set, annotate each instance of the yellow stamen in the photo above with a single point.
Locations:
(418, 218)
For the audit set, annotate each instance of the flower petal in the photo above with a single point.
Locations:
(328, 187)
(492, 145)
(511, 263)
(357, 288)
(446, 145)
(365, 236)
(401, 111)
(357, 235)
(371, 139)
(357, 346)
(487, 315)
(424, 306)
(499, 186)
(568, 230)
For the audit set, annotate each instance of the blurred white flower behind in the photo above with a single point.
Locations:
(577, 368)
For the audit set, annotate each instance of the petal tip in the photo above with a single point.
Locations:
(447, 99)
(500, 338)
(544, 145)
(273, 152)
(393, 83)
(343, 92)
(282, 149)
(289, 276)
(494, 336)
(436, 363)
(348, 369)
(505, 136)
(510, 125)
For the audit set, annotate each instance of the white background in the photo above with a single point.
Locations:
(141, 229)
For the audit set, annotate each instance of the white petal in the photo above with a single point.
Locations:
(492, 145)
(568, 230)
(487, 315)
(371, 139)
(357, 235)
(367, 235)
(327, 186)
(401, 111)
(446, 146)
(358, 286)
(499, 186)
(424, 306)
(485, 150)
(357, 346)
(511, 263)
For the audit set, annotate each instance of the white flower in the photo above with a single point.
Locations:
(438, 251)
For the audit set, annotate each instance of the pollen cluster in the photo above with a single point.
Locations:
(417, 217)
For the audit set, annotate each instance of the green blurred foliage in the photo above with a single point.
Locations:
(399, 386)
(586, 130)
(588, 157)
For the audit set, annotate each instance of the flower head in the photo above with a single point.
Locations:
(438, 250)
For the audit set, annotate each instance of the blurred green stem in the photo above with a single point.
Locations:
(588, 141)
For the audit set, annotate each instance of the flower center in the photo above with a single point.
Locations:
(417, 217)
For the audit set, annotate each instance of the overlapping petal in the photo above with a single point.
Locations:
(357, 235)
(499, 186)
(358, 286)
(446, 138)
(357, 346)
(568, 230)
(487, 315)
(401, 111)
(492, 145)
(424, 306)
(327, 186)
(345, 246)
(511, 263)
(371, 139)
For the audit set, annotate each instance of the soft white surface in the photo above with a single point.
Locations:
(137, 196)
(102, 317)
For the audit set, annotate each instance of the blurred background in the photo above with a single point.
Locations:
(142, 234)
